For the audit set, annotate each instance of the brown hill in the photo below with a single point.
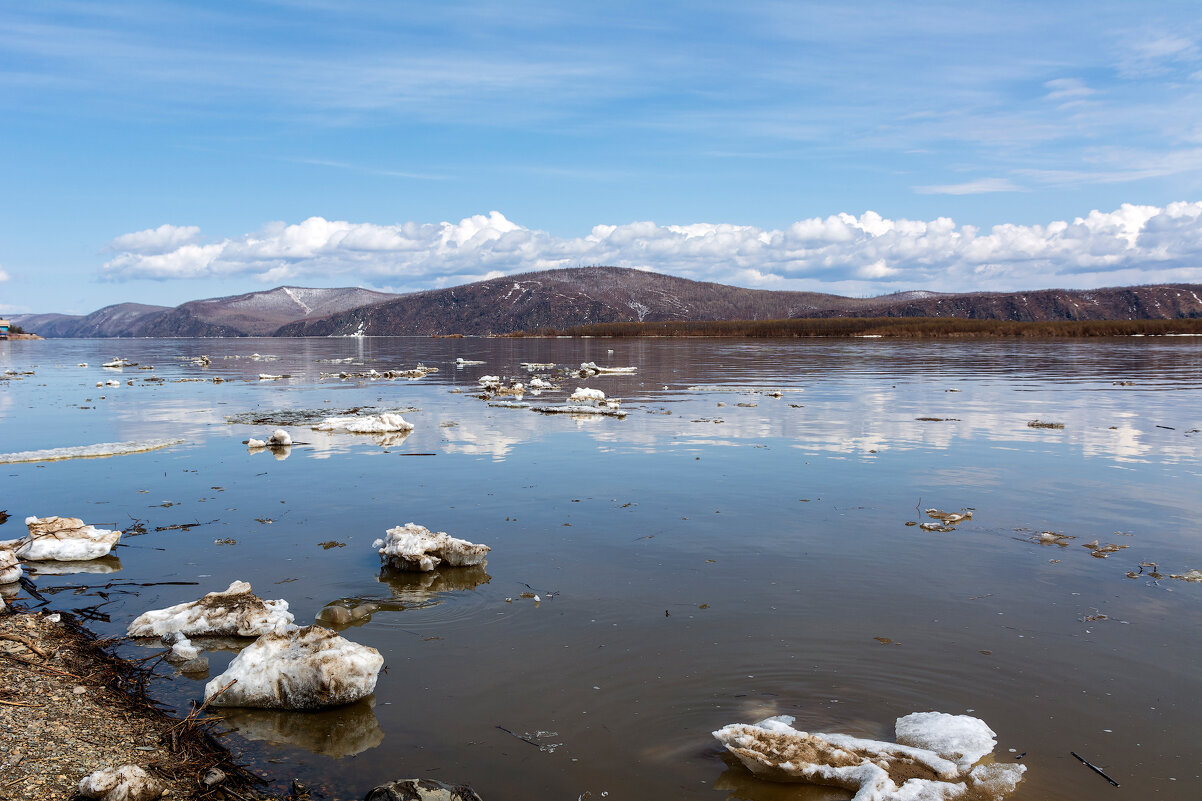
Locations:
(561, 299)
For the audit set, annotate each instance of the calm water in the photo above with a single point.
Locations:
(717, 556)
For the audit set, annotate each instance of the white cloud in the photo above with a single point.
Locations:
(156, 240)
(3, 275)
(839, 253)
(978, 187)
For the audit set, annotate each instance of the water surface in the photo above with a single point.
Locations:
(735, 547)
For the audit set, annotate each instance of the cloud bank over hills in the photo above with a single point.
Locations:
(869, 254)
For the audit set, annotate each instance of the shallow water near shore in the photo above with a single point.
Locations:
(735, 547)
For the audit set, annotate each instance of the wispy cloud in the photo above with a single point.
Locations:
(978, 187)
(1132, 244)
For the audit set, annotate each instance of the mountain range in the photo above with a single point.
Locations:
(559, 299)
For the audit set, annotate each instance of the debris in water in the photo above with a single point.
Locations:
(950, 517)
(1094, 768)
(1190, 575)
(1043, 424)
(414, 547)
(307, 668)
(935, 757)
(1102, 551)
(236, 611)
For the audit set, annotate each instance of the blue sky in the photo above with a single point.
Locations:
(166, 151)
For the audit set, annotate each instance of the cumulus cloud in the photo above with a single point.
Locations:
(842, 252)
(3, 275)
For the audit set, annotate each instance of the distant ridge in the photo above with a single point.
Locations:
(561, 299)
(566, 298)
(250, 314)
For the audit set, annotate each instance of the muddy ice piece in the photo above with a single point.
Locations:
(235, 611)
(414, 547)
(126, 783)
(1053, 538)
(461, 362)
(1189, 575)
(64, 539)
(939, 527)
(10, 567)
(308, 668)
(1102, 551)
(1043, 424)
(421, 790)
(949, 517)
(385, 423)
(934, 759)
(580, 409)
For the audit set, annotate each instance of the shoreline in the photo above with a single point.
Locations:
(92, 711)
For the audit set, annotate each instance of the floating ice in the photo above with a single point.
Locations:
(462, 361)
(538, 383)
(533, 366)
(119, 362)
(488, 380)
(87, 451)
(253, 443)
(933, 760)
(306, 668)
(385, 423)
(414, 547)
(234, 612)
(10, 567)
(592, 368)
(578, 409)
(64, 539)
(509, 404)
(1189, 575)
(270, 377)
(587, 397)
(279, 438)
(126, 783)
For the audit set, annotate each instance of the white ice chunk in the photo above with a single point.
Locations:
(65, 539)
(960, 738)
(234, 612)
(306, 668)
(462, 361)
(87, 451)
(414, 547)
(488, 380)
(10, 568)
(253, 443)
(126, 783)
(182, 650)
(875, 770)
(538, 383)
(586, 396)
(279, 437)
(385, 423)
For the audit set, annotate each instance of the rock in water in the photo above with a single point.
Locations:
(421, 790)
(64, 539)
(126, 783)
(236, 612)
(306, 668)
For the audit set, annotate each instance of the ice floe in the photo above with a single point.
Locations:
(935, 758)
(235, 611)
(577, 409)
(87, 451)
(1189, 575)
(119, 362)
(126, 783)
(64, 539)
(10, 566)
(462, 362)
(587, 397)
(592, 368)
(307, 668)
(414, 547)
(385, 423)
(279, 439)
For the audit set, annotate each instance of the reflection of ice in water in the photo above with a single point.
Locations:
(105, 564)
(341, 732)
(407, 590)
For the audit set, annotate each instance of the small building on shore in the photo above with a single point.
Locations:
(4, 326)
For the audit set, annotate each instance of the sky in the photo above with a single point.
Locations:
(160, 152)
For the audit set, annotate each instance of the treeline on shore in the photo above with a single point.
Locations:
(918, 327)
